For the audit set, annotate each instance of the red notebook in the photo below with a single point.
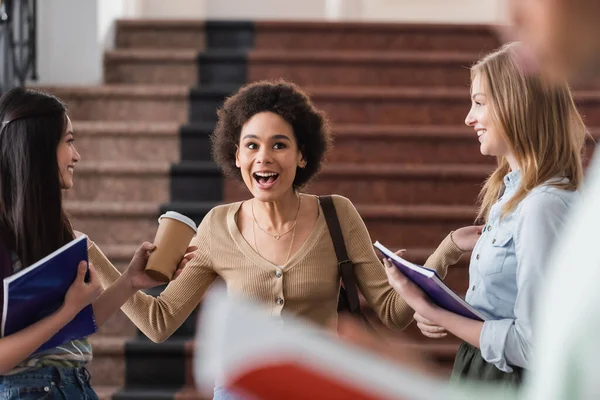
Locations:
(240, 346)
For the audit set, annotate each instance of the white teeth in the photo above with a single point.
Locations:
(481, 132)
(265, 174)
(70, 169)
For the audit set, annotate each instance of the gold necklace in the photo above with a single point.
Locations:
(287, 258)
(293, 232)
(277, 236)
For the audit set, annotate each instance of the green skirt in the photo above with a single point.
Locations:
(469, 365)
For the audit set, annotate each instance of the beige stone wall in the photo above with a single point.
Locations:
(452, 11)
(460, 11)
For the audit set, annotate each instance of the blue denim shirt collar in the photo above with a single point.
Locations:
(512, 180)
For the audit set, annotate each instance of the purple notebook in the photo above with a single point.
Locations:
(430, 283)
(39, 290)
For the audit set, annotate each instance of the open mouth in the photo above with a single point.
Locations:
(481, 133)
(265, 180)
(70, 169)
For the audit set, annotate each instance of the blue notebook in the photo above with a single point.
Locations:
(430, 283)
(39, 290)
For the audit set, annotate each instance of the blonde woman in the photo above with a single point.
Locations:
(537, 135)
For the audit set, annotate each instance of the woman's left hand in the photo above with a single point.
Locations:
(411, 293)
(428, 328)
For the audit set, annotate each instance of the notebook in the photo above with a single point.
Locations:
(240, 346)
(430, 283)
(39, 290)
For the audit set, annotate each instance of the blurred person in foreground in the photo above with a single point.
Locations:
(560, 40)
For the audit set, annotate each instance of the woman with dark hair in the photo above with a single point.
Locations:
(37, 161)
(274, 248)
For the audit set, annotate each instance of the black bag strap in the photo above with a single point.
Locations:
(345, 265)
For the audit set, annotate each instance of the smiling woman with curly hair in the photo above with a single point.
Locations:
(274, 248)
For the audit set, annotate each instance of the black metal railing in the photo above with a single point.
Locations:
(17, 43)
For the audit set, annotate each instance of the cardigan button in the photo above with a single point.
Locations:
(279, 301)
(278, 274)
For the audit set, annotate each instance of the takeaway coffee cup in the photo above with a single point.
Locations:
(172, 239)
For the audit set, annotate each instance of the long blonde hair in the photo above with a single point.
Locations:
(540, 123)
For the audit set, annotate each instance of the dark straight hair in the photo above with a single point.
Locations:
(32, 220)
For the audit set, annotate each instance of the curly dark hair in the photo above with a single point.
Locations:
(310, 126)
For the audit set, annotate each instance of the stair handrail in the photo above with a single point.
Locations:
(18, 49)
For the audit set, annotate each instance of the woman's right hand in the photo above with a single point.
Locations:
(82, 293)
(466, 238)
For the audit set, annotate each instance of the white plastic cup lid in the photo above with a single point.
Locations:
(179, 217)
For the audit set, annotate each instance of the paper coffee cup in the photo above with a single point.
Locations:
(175, 231)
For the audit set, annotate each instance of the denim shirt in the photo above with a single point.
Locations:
(508, 267)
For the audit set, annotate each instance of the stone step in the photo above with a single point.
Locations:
(121, 141)
(418, 106)
(193, 180)
(382, 106)
(412, 68)
(414, 226)
(361, 68)
(126, 223)
(151, 66)
(108, 365)
(191, 393)
(118, 223)
(442, 184)
(411, 144)
(160, 34)
(146, 181)
(121, 181)
(303, 35)
(292, 35)
(414, 144)
(195, 141)
(105, 392)
(359, 105)
(147, 103)
(335, 68)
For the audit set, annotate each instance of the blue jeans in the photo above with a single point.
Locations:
(48, 383)
(221, 393)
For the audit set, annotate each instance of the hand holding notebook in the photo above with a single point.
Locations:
(430, 283)
(83, 291)
(42, 288)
